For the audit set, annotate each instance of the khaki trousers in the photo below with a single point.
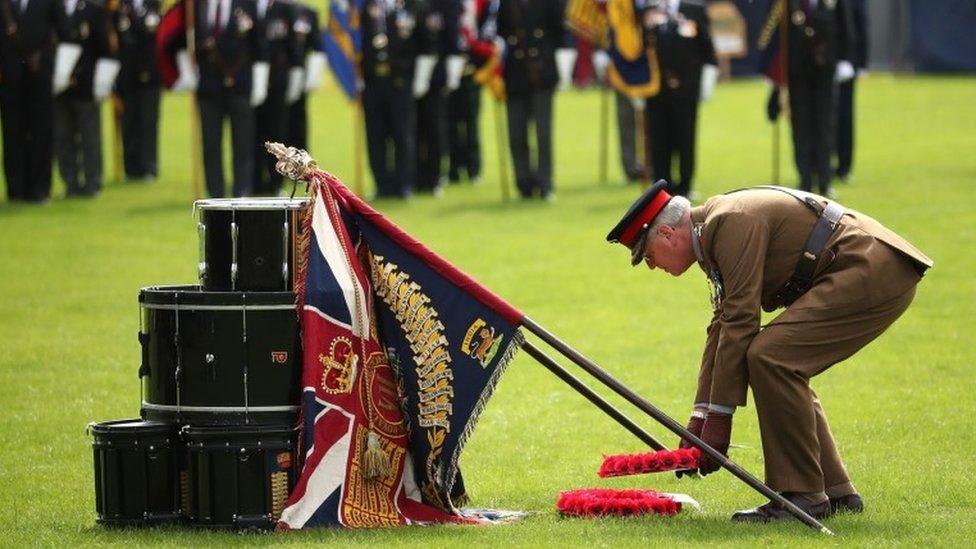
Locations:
(826, 325)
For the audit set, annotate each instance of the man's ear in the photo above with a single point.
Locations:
(666, 231)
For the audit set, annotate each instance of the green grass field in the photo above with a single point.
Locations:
(901, 410)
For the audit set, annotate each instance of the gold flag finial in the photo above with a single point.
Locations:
(295, 164)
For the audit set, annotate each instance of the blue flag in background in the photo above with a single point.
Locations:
(342, 42)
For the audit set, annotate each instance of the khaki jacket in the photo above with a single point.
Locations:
(754, 238)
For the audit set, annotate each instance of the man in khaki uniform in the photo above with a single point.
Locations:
(843, 278)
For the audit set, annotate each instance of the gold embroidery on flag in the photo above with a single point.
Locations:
(369, 503)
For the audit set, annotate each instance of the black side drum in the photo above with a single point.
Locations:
(138, 465)
(248, 244)
(240, 476)
(219, 357)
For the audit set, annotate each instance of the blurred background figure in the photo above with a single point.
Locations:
(818, 55)
(34, 39)
(438, 72)
(682, 33)
(231, 55)
(391, 43)
(311, 60)
(138, 86)
(270, 120)
(77, 117)
(478, 28)
(844, 145)
(532, 31)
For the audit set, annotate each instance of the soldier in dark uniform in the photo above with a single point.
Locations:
(464, 103)
(818, 51)
(439, 30)
(682, 34)
(391, 42)
(138, 86)
(843, 279)
(532, 30)
(29, 35)
(845, 90)
(77, 116)
(232, 59)
(308, 45)
(271, 122)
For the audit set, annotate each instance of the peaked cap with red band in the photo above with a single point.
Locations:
(641, 214)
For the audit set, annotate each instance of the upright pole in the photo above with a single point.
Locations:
(357, 138)
(640, 110)
(673, 426)
(604, 130)
(502, 153)
(596, 399)
(195, 147)
(784, 89)
(113, 40)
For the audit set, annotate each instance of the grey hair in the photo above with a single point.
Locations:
(671, 215)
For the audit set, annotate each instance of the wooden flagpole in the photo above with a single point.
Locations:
(500, 138)
(195, 146)
(357, 124)
(604, 130)
(113, 39)
(783, 89)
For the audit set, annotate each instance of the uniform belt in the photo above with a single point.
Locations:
(828, 218)
(802, 277)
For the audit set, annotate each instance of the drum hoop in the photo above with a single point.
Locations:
(269, 204)
(164, 297)
(218, 409)
(134, 426)
(173, 307)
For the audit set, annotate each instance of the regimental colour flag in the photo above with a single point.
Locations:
(634, 69)
(342, 43)
(772, 55)
(401, 353)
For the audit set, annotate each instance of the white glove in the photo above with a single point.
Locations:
(709, 77)
(844, 71)
(106, 69)
(565, 60)
(314, 67)
(296, 85)
(188, 78)
(422, 74)
(601, 60)
(638, 103)
(260, 72)
(64, 64)
(455, 69)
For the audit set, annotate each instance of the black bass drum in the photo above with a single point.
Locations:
(249, 244)
(138, 466)
(239, 476)
(219, 357)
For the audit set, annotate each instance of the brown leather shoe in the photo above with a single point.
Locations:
(774, 511)
(851, 503)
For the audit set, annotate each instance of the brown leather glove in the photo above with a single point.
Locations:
(717, 432)
(695, 426)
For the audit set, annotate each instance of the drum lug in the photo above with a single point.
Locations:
(202, 266)
(233, 259)
(284, 252)
(144, 344)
